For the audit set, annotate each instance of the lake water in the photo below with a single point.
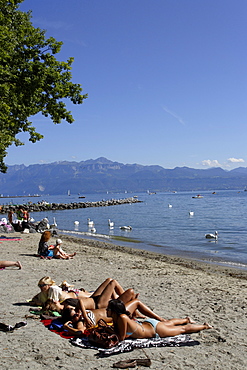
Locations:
(160, 228)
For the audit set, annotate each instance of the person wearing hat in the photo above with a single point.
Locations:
(59, 252)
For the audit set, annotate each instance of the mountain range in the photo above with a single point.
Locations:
(102, 175)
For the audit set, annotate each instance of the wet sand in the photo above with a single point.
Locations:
(171, 286)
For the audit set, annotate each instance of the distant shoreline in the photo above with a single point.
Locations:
(20, 196)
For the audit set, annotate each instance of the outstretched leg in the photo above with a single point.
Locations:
(164, 330)
(174, 322)
(4, 264)
(145, 310)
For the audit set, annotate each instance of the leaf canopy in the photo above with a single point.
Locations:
(32, 80)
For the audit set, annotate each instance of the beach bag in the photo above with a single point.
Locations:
(103, 335)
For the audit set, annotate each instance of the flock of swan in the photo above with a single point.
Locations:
(92, 229)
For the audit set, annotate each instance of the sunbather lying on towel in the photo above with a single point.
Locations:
(126, 327)
(73, 314)
(51, 293)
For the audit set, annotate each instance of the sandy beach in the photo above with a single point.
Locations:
(171, 286)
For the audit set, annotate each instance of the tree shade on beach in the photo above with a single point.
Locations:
(32, 80)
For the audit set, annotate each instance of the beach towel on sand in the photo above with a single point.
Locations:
(126, 345)
(2, 237)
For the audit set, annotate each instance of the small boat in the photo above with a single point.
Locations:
(197, 196)
(81, 196)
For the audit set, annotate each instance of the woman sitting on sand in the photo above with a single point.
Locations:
(45, 250)
(126, 327)
(51, 293)
(73, 314)
(4, 264)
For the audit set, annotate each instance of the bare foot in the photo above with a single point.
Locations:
(18, 264)
(207, 326)
(190, 321)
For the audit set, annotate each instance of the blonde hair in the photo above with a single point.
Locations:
(46, 280)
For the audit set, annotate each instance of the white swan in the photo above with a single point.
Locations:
(191, 213)
(212, 236)
(110, 224)
(54, 225)
(90, 223)
(92, 230)
(125, 228)
(169, 205)
(76, 223)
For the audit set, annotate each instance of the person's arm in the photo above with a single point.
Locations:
(122, 327)
(87, 321)
(79, 330)
(35, 301)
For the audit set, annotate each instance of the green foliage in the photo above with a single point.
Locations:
(32, 80)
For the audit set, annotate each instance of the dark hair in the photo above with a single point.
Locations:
(117, 306)
(66, 314)
(71, 302)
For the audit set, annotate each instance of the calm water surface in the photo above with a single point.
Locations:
(160, 228)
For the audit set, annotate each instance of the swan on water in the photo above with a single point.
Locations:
(92, 230)
(169, 205)
(54, 225)
(90, 223)
(125, 228)
(191, 213)
(76, 223)
(110, 224)
(212, 236)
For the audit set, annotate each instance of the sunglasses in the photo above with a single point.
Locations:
(41, 285)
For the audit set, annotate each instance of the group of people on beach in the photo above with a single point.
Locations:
(44, 251)
(131, 318)
(81, 310)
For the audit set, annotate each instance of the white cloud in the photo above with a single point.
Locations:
(235, 160)
(174, 115)
(211, 163)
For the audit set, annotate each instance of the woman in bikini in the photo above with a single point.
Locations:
(126, 327)
(52, 296)
(73, 314)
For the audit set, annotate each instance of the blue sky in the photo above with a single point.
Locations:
(166, 82)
